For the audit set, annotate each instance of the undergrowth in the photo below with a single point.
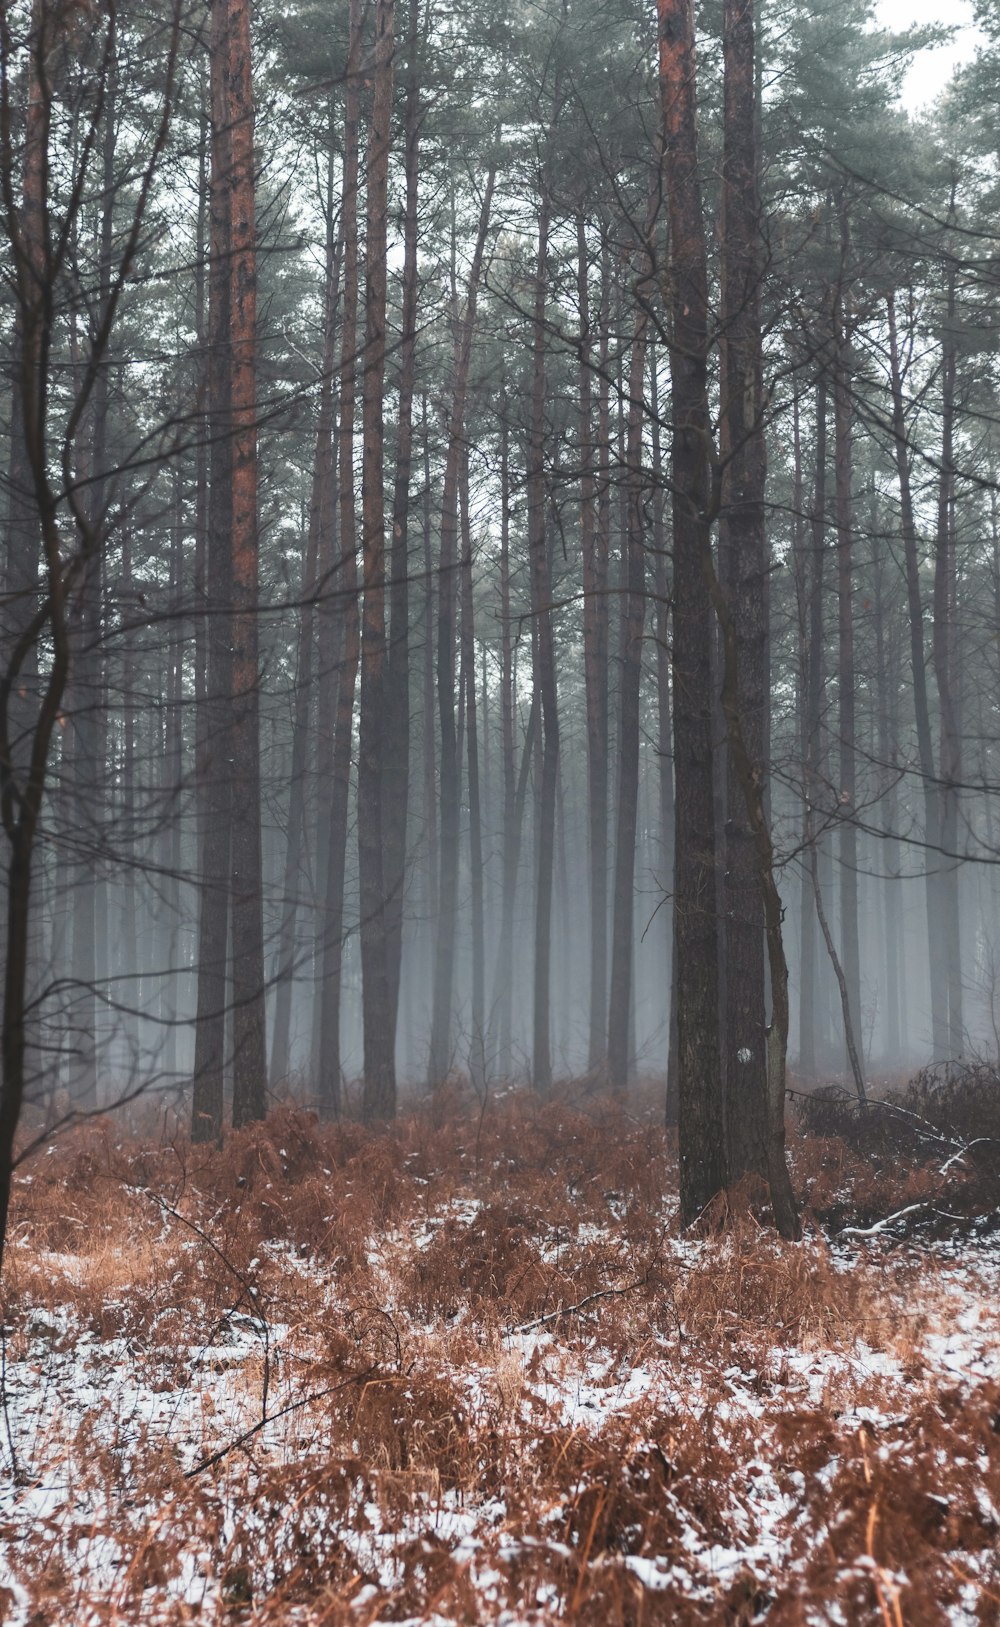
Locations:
(466, 1368)
(930, 1146)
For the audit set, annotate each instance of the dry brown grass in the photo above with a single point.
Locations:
(497, 1379)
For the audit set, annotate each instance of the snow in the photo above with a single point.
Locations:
(73, 1396)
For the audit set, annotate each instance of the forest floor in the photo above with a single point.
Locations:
(468, 1370)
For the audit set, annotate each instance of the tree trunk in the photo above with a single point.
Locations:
(330, 622)
(887, 681)
(450, 779)
(632, 628)
(946, 671)
(214, 779)
(743, 564)
(22, 580)
(804, 565)
(88, 678)
(918, 661)
(331, 952)
(696, 948)
(477, 1038)
(249, 1036)
(545, 673)
(83, 710)
(172, 791)
(850, 950)
(396, 770)
(664, 740)
(498, 1044)
(377, 1008)
(320, 526)
(130, 987)
(746, 770)
(595, 669)
(428, 743)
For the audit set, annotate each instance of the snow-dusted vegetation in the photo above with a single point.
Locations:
(468, 1369)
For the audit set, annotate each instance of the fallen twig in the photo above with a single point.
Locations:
(573, 1310)
(956, 1157)
(282, 1412)
(881, 1225)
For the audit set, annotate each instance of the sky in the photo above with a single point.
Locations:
(931, 69)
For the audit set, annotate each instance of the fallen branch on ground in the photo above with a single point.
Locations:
(215, 1458)
(882, 1225)
(574, 1310)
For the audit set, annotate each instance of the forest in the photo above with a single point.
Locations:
(500, 802)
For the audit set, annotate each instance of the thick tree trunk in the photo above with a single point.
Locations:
(377, 1008)
(696, 938)
(746, 770)
(23, 542)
